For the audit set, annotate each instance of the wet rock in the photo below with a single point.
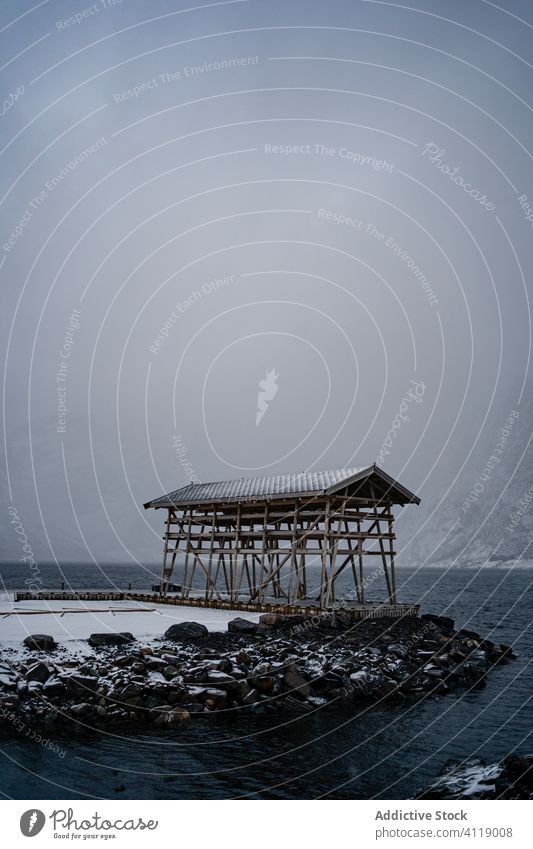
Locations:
(123, 660)
(8, 680)
(40, 642)
(146, 650)
(131, 691)
(9, 701)
(296, 682)
(193, 707)
(78, 684)
(38, 672)
(81, 709)
(507, 651)
(277, 620)
(386, 690)
(444, 623)
(215, 698)
(185, 630)
(173, 717)
(156, 663)
(170, 671)
(54, 689)
(397, 649)
(223, 680)
(264, 684)
(478, 659)
(111, 639)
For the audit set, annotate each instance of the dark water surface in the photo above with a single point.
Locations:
(339, 752)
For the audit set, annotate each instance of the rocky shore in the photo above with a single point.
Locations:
(281, 664)
(511, 778)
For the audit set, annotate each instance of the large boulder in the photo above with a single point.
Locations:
(40, 642)
(185, 631)
(242, 626)
(111, 639)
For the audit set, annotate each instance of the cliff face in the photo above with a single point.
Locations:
(488, 514)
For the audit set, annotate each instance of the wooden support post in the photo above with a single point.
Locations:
(209, 582)
(360, 563)
(391, 556)
(165, 551)
(234, 557)
(382, 549)
(324, 569)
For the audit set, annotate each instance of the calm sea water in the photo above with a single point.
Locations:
(347, 752)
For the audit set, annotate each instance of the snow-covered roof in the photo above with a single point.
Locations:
(282, 486)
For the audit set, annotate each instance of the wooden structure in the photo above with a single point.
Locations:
(254, 541)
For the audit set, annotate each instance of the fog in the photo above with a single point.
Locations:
(331, 199)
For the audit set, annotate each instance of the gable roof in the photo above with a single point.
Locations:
(283, 486)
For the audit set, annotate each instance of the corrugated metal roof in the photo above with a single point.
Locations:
(246, 489)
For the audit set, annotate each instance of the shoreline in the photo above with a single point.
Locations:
(279, 664)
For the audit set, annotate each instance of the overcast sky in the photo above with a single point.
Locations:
(327, 198)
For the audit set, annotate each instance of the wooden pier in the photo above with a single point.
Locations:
(357, 611)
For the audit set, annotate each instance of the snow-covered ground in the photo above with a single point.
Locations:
(71, 622)
(478, 564)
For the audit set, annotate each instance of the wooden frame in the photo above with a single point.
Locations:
(259, 551)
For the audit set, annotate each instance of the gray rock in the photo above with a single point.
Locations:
(242, 626)
(40, 642)
(185, 630)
